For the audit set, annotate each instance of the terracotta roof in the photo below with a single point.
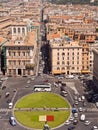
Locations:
(29, 40)
(52, 36)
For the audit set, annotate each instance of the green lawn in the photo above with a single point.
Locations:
(31, 119)
(40, 100)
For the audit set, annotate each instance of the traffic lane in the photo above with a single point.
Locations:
(79, 126)
(5, 125)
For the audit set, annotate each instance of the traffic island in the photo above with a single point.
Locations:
(37, 108)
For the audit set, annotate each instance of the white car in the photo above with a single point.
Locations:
(79, 99)
(87, 122)
(71, 118)
(75, 115)
(67, 122)
(94, 127)
(96, 104)
(76, 102)
(80, 109)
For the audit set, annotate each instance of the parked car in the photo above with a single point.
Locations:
(75, 122)
(87, 122)
(64, 93)
(80, 109)
(76, 102)
(71, 118)
(7, 94)
(96, 104)
(67, 122)
(75, 115)
(3, 87)
(94, 127)
(71, 127)
(12, 121)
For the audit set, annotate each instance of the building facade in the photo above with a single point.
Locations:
(21, 50)
(66, 58)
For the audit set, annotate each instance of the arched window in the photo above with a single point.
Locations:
(14, 30)
(18, 30)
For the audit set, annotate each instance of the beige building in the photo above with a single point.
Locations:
(66, 57)
(21, 50)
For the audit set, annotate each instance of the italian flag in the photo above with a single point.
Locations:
(46, 118)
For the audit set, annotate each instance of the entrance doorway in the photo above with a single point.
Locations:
(19, 71)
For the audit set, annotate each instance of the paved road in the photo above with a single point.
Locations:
(19, 84)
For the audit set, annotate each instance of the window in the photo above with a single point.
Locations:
(58, 68)
(63, 54)
(14, 30)
(14, 53)
(57, 58)
(58, 63)
(63, 68)
(58, 54)
(24, 62)
(28, 53)
(63, 62)
(18, 53)
(23, 30)
(9, 53)
(67, 62)
(73, 68)
(23, 53)
(9, 62)
(14, 62)
(62, 58)
(18, 30)
(19, 62)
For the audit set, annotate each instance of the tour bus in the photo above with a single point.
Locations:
(42, 87)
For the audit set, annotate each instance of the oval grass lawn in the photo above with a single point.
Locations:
(43, 100)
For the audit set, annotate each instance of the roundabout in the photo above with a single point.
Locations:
(35, 109)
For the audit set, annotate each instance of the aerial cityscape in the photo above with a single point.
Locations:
(49, 64)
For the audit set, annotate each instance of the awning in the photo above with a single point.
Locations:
(85, 71)
(56, 71)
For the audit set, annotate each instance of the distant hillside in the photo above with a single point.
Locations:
(75, 2)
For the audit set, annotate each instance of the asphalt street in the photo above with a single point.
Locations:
(19, 87)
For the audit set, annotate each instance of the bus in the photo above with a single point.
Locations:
(42, 88)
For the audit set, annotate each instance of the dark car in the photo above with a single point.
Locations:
(71, 127)
(7, 94)
(75, 122)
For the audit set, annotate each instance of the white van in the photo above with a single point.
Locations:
(82, 117)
